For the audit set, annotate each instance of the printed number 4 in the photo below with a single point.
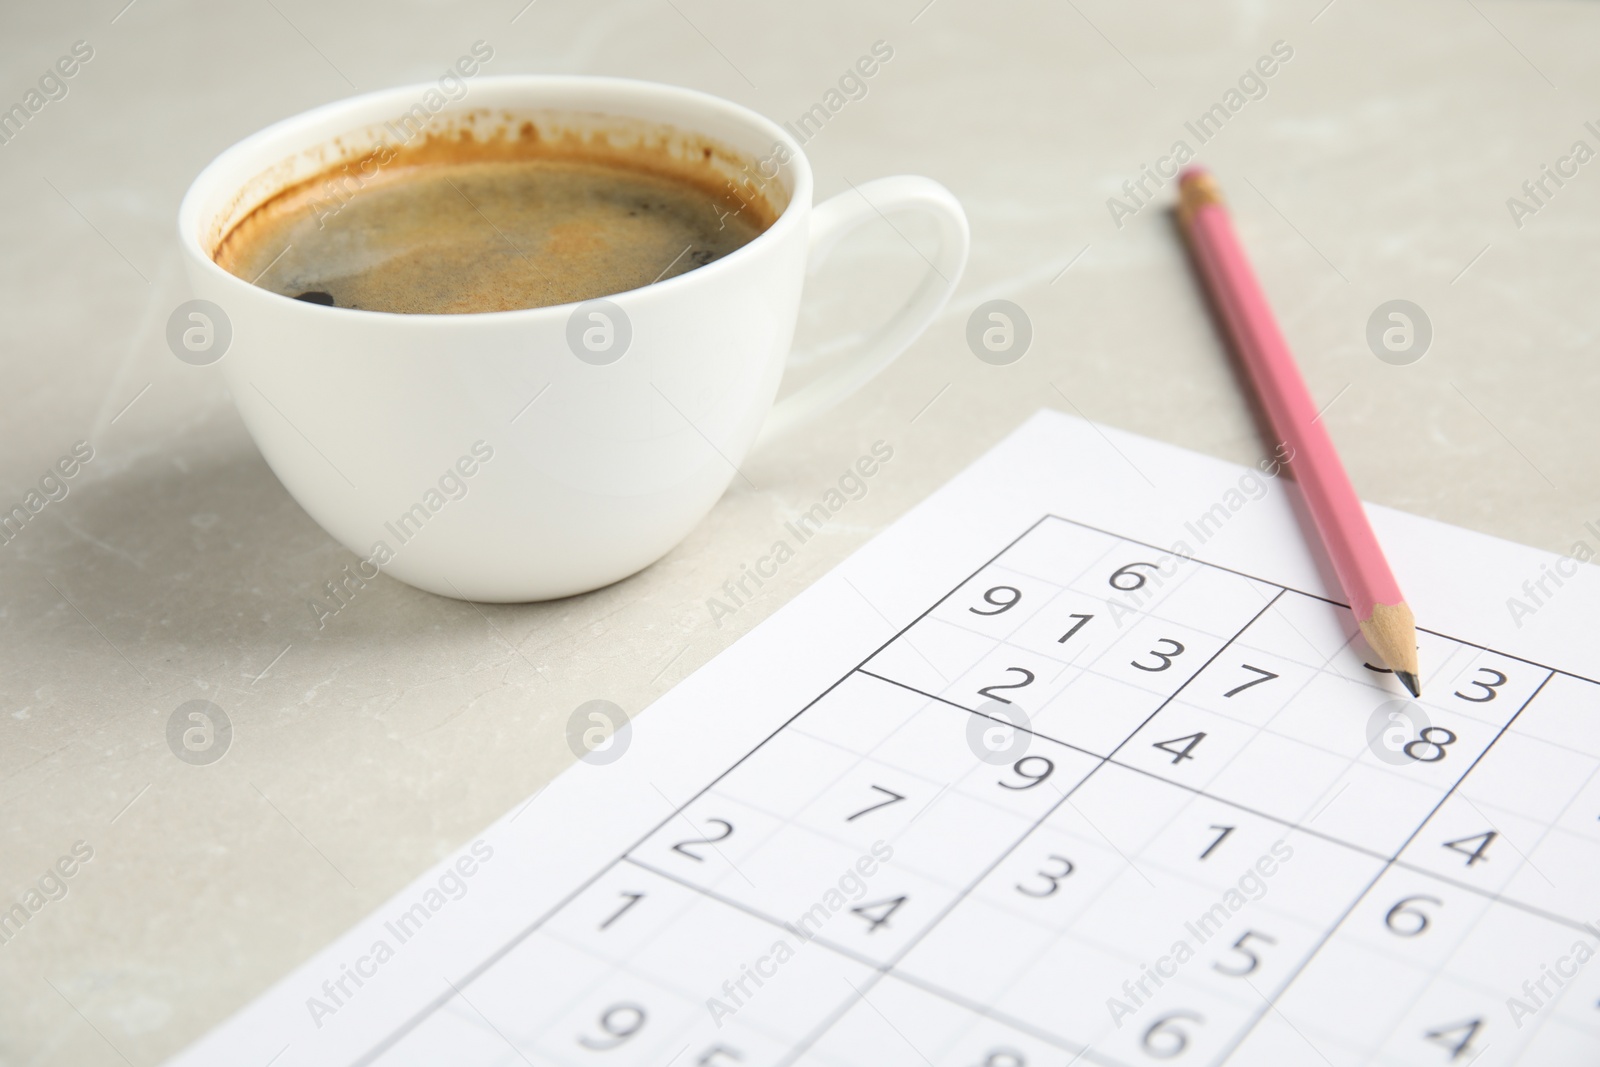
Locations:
(1179, 754)
(878, 911)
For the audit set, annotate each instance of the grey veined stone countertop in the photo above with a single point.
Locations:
(1432, 153)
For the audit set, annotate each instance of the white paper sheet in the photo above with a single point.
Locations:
(1079, 761)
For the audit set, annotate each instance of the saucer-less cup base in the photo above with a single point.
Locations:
(416, 440)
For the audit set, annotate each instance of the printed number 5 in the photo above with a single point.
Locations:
(1252, 960)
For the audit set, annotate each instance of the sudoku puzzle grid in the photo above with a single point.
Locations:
(1099, 804)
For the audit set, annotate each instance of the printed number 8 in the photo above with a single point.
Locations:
(1426, 741)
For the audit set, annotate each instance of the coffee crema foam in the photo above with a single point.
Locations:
(458, 223)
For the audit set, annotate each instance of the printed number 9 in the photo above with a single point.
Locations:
(620, 1022)
(1004, 1057)
(1032, 778)
(1001, 605)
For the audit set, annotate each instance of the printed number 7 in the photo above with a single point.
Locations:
(1266, 676)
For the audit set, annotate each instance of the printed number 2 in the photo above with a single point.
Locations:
(683, 846)
(989, 690)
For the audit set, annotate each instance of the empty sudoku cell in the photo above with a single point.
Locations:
(453, 1034)
(1058, 551)
(1274, 1041)
(1529, 777)
(1061, 991)
(1373, 809)
(787, 772)
(1215, 601)
(930, 656)
(995, 601)
(978, 952)
(858, 713)
(1566, 712)
(1335, 714)
(1306, 630)
(894, 1023)
(1096, 713)
(1342, 1005)
(1556, 1042)
(1560, 877)
(1509, 956)
(1582, 817)
(1568, 987)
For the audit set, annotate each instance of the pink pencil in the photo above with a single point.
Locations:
(1385, 619)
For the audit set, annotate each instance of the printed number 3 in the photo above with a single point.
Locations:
(1166, 658)
(1487, 687)
(1052, 878)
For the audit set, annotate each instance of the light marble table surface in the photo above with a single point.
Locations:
(1375, 164)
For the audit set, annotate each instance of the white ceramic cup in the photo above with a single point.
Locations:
(487, 456)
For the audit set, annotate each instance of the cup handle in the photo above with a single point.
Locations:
(831, 221)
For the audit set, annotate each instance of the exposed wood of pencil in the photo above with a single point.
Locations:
(1392, 632)
(1340, 518)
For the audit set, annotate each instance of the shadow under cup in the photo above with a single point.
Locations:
(510, 455)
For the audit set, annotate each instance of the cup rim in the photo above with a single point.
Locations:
(286, 129)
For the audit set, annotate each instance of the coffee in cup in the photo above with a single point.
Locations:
(455, 224)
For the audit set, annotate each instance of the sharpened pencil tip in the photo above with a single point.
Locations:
(1409, 680)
